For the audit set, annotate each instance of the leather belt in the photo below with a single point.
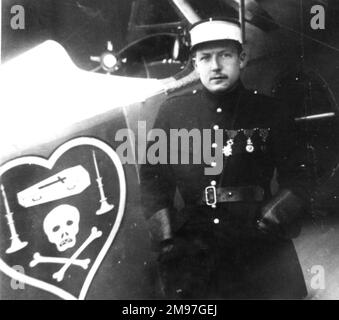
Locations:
(213, 195)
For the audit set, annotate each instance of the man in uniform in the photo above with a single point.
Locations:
(232, 239)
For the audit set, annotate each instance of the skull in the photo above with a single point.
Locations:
(61, 226)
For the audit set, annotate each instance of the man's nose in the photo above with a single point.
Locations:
(215, 63)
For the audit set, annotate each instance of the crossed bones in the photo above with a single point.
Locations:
(67, 262)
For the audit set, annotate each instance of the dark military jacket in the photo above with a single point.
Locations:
(259, 136)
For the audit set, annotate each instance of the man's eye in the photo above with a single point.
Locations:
(226, 55)
(204, 58)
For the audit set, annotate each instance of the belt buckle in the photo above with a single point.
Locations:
(211, 192)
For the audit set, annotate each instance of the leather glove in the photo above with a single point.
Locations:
(281, 215)
(160, 230)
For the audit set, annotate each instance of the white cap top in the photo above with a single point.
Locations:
(214, 30)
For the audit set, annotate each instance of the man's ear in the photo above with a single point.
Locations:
(195, 66)
(243, 59)
(194, 62)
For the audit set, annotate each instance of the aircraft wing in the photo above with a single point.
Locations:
(44, 95)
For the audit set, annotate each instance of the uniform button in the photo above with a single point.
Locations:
(230, 194)
(214, 145)
(219, 110)
(216, 221)
(213, 164)
(213, 183)
(216, 127)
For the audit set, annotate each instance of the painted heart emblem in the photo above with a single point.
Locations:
(59, 216)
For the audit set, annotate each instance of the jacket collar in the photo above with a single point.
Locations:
(227, 100)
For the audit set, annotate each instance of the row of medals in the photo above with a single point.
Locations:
(231, 134)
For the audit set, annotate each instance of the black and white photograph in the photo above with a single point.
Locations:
(169, 150)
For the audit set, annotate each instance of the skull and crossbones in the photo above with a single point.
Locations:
(61, 226)
(67, 262)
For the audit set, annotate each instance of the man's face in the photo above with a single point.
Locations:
(219, 65)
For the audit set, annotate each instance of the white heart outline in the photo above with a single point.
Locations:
(49, 164)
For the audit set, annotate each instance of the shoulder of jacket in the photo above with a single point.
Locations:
(183, 97)
(263, 100)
